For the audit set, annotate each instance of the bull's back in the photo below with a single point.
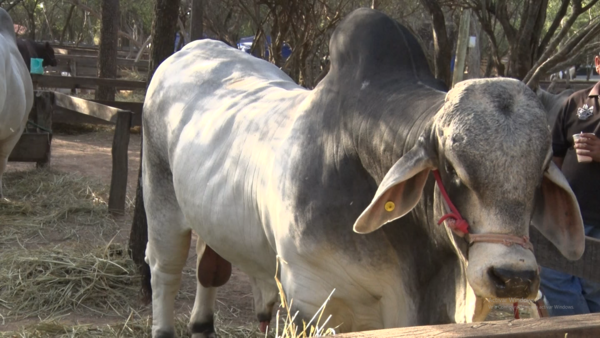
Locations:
(219, 128)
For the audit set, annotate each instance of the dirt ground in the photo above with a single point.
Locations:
(89, 155)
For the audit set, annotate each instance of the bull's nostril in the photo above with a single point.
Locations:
(496, 279)
(512, 283)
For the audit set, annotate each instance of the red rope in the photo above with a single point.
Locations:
(459, 224)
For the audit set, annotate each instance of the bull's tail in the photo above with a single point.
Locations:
(138, 239)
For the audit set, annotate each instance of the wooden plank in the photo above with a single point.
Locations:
(547, 255)
(86, 107)
(62, 115)
(50, 81)
(553, 327)
(31, 148)
(118, 183)
(134, 107)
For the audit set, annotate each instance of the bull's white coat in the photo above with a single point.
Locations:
(16, 91)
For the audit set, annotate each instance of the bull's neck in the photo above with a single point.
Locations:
(384, 132)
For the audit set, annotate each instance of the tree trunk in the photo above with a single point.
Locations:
(523, 50)
(441, 43)
(31, 26)
(196, 22)
(67, 21)
(107, 56)
(461, 47)
(164, 28)
(474, 59)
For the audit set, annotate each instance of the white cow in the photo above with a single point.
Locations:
(16, 91)
(259, 167)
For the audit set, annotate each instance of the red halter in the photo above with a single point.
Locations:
(460, 227)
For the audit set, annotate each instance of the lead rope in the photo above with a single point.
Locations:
(460, 226)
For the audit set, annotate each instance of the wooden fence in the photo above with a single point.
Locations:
(83, 61)
(554, 327)
(52, 107)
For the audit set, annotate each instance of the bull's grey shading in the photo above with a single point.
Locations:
(261, 168)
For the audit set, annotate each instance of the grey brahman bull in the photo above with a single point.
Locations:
(260, 167)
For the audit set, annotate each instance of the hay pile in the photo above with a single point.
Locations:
(129, 328)
(47, 203)
(46, 282)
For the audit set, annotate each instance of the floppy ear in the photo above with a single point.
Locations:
(557, 214)
(399, 191)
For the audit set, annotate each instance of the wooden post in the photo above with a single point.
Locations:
(461, 47)
(118, 184)
(43, 107)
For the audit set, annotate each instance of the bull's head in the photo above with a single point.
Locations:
(491, 145)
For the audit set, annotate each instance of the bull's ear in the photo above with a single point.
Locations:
(399, 191)
(557, 215)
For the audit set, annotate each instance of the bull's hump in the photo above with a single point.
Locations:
(369, 44)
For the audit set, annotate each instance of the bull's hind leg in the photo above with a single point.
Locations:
(6, 147)
(167, 249)
(213, 271)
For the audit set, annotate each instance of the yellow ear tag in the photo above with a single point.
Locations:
(389, 206)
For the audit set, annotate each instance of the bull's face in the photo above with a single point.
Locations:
(491, 146)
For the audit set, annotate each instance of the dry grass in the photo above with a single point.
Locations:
(289, 329)
(129, 328)
(47, 203)
(52, 282)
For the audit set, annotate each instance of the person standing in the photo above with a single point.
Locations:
(579, 160)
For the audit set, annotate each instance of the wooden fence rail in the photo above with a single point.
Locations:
(51, 81)
(554, 327)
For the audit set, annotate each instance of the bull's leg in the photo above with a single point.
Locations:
(213, 271)
(6, 147)
(166, 252)
(265, 295)
(2, 169)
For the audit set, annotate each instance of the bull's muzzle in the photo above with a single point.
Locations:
(514, 284)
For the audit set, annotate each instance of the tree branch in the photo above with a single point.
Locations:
(576, 43)
(562, 11)
(577, 10)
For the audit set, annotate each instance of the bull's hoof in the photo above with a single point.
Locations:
(164, 333)
(202, 330)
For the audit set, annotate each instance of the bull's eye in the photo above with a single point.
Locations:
(450, 170)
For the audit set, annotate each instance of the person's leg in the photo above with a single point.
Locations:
(563, 293)
(591, 290)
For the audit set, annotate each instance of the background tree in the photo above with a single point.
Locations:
(107, 55)
(164, 28)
